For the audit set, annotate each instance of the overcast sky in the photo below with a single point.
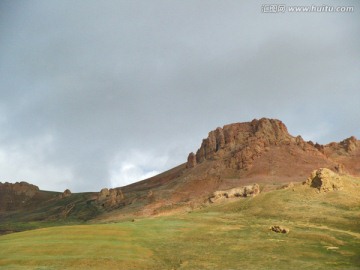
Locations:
(100, 94)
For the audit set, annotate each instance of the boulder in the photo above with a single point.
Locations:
(279, 229)
(245, 191)
(103, 194)
(65, 194)
(324, 180)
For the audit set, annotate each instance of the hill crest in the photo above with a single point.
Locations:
(258, 152)
(240, 144)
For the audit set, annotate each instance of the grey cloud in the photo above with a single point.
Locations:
(107, 81)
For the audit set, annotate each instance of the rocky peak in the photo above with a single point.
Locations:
(271, 129)
(347, 147)
(251, 137)
(350, 144)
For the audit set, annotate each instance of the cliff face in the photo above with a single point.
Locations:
(13, 196)
(241, 144)
(249, 138)
(19, 188)
(263, 150)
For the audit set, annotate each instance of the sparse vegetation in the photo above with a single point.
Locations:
(324, 234)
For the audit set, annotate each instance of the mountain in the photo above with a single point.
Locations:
(259, 152)
(263, 149)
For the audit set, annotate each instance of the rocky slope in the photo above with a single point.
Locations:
(346, 154)
(261, 151)
(264, 147)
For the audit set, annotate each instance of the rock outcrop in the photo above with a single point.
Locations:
(65, 194)
(19, 188)
(242, 143)
(346, 154)
(350, 144)
(246, 191)
(191, 161)
(65, 210)
(110, 198)
(16, 196)
(324, 180)
(264, 148)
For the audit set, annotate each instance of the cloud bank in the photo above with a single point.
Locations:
(101, 94)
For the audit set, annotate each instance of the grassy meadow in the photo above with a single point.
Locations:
(324, 234)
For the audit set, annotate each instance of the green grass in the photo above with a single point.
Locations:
(324, 234)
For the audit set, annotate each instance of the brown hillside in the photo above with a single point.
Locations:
(346, 153)
(261, 151)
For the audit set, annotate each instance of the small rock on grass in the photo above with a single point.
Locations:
(279, 229)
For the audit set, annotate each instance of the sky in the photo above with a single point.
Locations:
(100, 94)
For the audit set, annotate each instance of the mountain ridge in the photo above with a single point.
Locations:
(248, 140)
(258, 152)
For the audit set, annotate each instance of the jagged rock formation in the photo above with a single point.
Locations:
(264, 147)
(109, 198)
(19, 188)
(324, 180)
(347, 155)
(14, 196)
(246, 191)
(348, 146)
(191, 161)
(244, 142)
